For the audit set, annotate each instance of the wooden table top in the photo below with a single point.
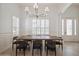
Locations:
(39, 37)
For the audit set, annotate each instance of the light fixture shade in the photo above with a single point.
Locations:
(36, 12)
(46, 9)
(35, 6)
(27, 9)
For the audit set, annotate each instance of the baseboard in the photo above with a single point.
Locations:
(72, 41)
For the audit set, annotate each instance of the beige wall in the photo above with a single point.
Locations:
(72, 12)
(6, 13)
(53, 17)
(9, 10)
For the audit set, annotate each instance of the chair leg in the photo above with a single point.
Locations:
(41, 52)
(47, 52)
(16, 52)
(12, 47)
(55, 52)
(24, 51)
(62, 46)
(59, 46)
(32, 52)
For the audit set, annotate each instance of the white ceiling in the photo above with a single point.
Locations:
(60, 7)
(57, 6)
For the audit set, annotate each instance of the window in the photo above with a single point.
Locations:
(69, 27)
(15, 25)
(40, 27)
(75, 26)
(62, 27)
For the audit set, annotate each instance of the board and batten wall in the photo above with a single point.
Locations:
(6, 13)
(26, 20)
(9, 10)
(55, 21)
(73, 13)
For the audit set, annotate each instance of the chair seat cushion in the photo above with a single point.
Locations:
(57, 42)
(21, 47)
(37, 46)
(51, 47)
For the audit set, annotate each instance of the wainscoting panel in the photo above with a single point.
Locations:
(5, 41)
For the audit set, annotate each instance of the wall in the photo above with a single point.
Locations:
(9, 10)
(26, 21)
(6, 13)
(72, 12)
(25, 24)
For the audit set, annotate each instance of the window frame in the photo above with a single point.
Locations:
(42, 29)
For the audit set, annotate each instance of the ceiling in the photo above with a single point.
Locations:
(57, 6)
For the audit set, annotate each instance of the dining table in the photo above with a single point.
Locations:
(39, 37)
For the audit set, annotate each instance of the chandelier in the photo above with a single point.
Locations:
(36, 12)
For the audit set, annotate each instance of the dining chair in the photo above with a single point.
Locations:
(21, 45)
(37, 44)
(50, 45)
(59, 42)
(13, 41)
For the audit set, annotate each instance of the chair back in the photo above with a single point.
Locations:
(14, 38)
(19, 42)
(50, 42)
(37, 42)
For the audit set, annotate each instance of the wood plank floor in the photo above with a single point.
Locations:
(69, 49)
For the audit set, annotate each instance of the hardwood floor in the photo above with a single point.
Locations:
(69, 49)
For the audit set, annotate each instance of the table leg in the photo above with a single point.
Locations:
(43, 47)
(31, 47)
